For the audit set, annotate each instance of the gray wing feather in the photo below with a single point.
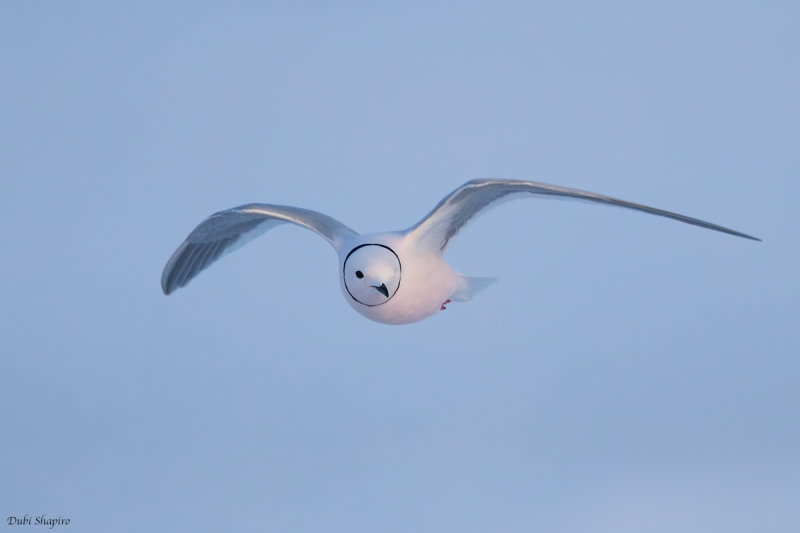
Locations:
(226, 231)
(461, 205)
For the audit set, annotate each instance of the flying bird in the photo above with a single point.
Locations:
(396, 277)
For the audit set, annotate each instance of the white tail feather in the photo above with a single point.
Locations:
(467, 287)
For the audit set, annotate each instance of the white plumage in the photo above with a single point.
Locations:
(394, 277)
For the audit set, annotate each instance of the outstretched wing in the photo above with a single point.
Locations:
(461, 205)
(224, 232)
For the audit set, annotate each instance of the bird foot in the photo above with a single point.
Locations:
(443, 305)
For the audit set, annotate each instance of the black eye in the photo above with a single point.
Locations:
(359, 274)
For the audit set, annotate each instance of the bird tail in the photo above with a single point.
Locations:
(467, 287)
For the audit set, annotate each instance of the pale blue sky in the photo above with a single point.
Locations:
(628, 373)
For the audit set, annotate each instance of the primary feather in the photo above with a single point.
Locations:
(228, 230)
(464, 203)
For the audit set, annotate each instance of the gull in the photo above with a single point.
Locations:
(395, 277)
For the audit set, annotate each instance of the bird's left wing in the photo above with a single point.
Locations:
(461, 205)
(224, 232)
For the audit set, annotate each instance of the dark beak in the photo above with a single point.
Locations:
(381, 289)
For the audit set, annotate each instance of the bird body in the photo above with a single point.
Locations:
(426, 279)
(393, 277)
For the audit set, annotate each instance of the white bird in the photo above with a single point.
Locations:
(395, 277)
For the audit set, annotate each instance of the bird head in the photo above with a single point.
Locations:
(371, 274)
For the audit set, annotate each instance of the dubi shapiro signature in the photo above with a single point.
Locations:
(41, 520)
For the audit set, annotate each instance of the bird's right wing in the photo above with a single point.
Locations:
(464, 203)
(224, 232)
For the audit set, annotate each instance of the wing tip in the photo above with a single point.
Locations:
(742, 235)
(169, 283)
(165, 288)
